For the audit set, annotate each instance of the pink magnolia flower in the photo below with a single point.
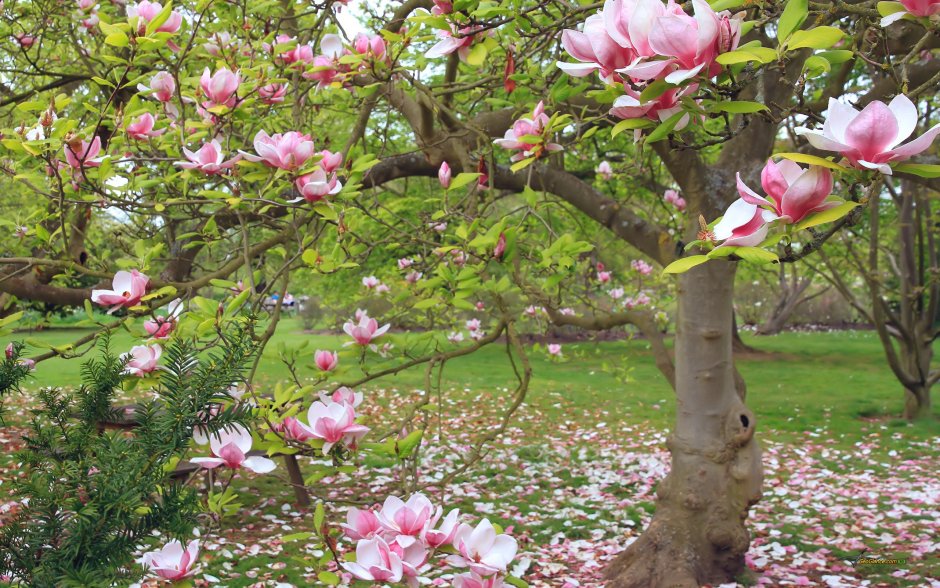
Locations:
(219, 88)
(317, 185)
(532, 311)
(443, 175)
(471, 580)
(404, 263)
(482, 550)
(366, 330)
(524, 128)
(658, 109)
(128, 288)
(442, 7)
(296, 54)
(743, 225)
(172, 562)
(554, 349)
(382, 289)
(796, 193)
(413, 557)
(81, 153)
(641, 299)
(567, 311)
(616, 293)
(272, 93)
(596, 50)
(445, 533)
(142, 359)
(360, 524)
(162, 86)
(456, 39)
(160, 327)
(91, 22)
(86, 5)
(870, 139)
(370, 282)
(603, 277)
(326, 361)
(147, 11)
(330, 161)
(217, 43)
(333, 423)
(342, 395)
(473, 325)
(604, 170)
(413, 277)
(10, 349)
(230, 448)
(375, 561)
(208, 159)
(498, 252)
(408, 521)
(288, 151)
(918, 8)
(142, 127)
(455, 337)
(294, 430)
(369, 45)
(641, 267)
(672, 197)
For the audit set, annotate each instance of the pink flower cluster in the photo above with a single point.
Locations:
(672, 197)
(527, 136)
(396, 542)
(172, 562)
(230, 448)
(633, 42)
(332, 420)
(364, 329)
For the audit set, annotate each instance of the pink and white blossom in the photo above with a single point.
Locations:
(147, 11)
(365, 330)
(743, 224)
(472, 580)
(673, 197)
(81, 153)
(457, 40)
(604, 170)
(515, 138)
(444, 175)
(342, 395)
(272, 93)
(288, 151)
(375, 561)
(444, 534)
(208, 159)
(370, 282)
(326, 360)
(408, 521)
(219, 88)
(554, 349)
(172, 562)
(483, 550)
(871, 139)
(318, 184)
(641, 267)
(230, 448)
(334, 423)
(127, 290)
(142, 127)
(142, 359)
(795, 193)
(915, 8)
(162, 86)
(160, 327)
(361, 524)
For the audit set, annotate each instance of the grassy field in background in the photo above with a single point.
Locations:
(802, 381)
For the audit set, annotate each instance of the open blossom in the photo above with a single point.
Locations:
(444, 534)
(413, 277)
(160, 327)
(334, 422)
(361, 524)
(326, 361)
(482, 550)
(455, 337)
(554, 349)
(672, 197)
(658, 109)
(455, 39)
(532, 310)
(370, 282)
(641, 299)
(795, 193)
(375, 561)
(162, 86)
(444, 175)
(142, 127)
(288, 151)
(317, 185)
(172, 562)
(616, 293)
(147, 11)
(219, 88)
(641, 267)
(871, 139)
(471, 580)
(473, 325)
(604, 170)
(373, 45)
(142, 359)
(326, 66)
(408, 521)
(405, 263)
(208, 159)
(293, 430)
(272, 93)
(603, 277)
(296, 54)
(919, 8)
(366, 330)
(230, 448)
(81, 153)
(342, 395)
(128, 288)
(528, 127)
(743, 225)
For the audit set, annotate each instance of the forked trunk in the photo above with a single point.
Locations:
(916, 402)
(697, 535)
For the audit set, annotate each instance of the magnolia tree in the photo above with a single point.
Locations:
(200, 149)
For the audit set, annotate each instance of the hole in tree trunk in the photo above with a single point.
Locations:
(745, 421)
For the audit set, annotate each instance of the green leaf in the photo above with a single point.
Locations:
(655, 90)
(685, 264)
(477, 54)
(514, 581)
(756, 255)
(319, 516)
(297, 537)
(889, 8)
(522, 164)
(811, 160)
(924, 170)
(719, 5)
(630, 123)
(462, 180)
(836, 56)
(815, 66)
(328, 578)
(406, 446)
(745, 54)
(117, 39)
(740, 107)
(827, 216)
(663, 130)
(160, 19)
(7, 320)
(817, 38)
(793, 16)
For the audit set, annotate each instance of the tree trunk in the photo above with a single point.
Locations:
(916, 402)
(697, 535)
